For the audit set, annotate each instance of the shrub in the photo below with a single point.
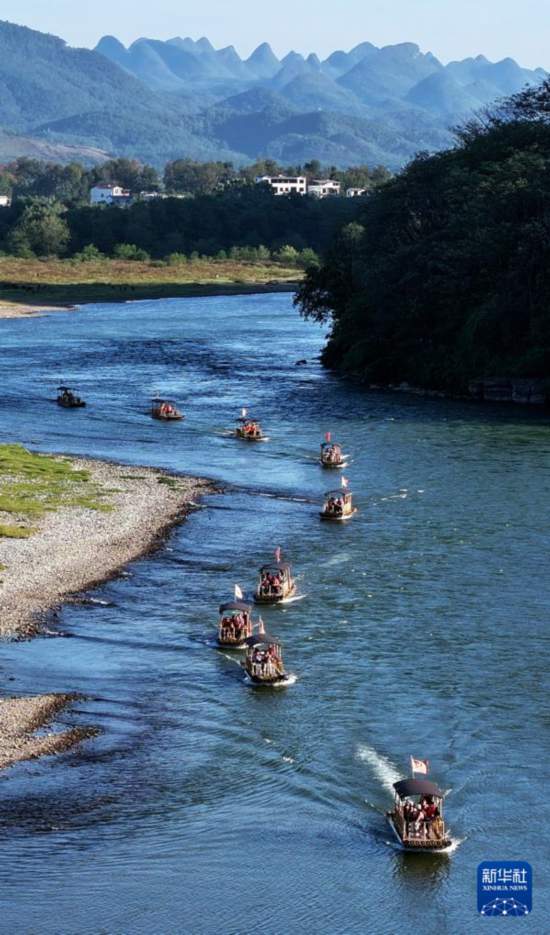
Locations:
(129, 251)
(176, 259)
(308, 259)
(88, 254)
(287, 255)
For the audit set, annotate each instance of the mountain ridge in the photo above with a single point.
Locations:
(158, 100)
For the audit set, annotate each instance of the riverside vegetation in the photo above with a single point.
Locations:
(222, 236)
(50, 215)
(32, 485)
(29, 284)
(444, 277)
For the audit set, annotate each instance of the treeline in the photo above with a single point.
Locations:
(444, 276)
(70, 184)
(244, 219)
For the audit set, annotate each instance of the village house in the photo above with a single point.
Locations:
(322, 188)
(285, 184)
(162, 196)
(355, 192)
(108, 194)
(5, 201)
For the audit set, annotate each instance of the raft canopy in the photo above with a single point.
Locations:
(237, 606)
(407, 787)
(341, 492)
(262, 639)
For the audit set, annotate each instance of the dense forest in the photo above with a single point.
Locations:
(220, 209)
(444, 276)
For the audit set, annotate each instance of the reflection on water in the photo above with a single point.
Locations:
(207, 806)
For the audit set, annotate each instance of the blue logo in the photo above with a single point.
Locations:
(504, 888)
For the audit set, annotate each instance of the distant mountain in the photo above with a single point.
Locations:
(389, 73)
(263, 63)
(159, 100)
(366, 82)
(78, 97)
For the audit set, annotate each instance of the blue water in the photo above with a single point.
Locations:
(207, 806)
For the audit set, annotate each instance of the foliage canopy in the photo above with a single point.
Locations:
(445, 276)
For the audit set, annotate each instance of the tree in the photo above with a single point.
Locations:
(129, 251)
(261, 167)
(129, 173)
(313, 169)
(447, 277)
(7, 181)
(40, 229)
(32, 177)
(197, 178)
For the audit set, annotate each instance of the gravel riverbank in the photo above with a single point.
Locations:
(73, 549)
(21, 717)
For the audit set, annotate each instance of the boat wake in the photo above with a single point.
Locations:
(291, 679)
(384, 770)
(291, 600)
(95, 602)
(455, 844)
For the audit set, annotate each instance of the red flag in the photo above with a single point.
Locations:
(327, 436)
(419, 766)
(345, 482)
(278, 554)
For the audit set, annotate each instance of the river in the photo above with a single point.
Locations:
(207, 806)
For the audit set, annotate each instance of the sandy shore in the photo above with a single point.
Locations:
(21, 717)
(76, 548)
(22, 310)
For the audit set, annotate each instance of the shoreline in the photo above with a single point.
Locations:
(74, 549)
(71, 297)
(26, 310)
(529, 394)
(77, 548)
(21, 718)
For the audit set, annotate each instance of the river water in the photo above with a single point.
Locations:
(207, 806)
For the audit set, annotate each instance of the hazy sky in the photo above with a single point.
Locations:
(449, 28)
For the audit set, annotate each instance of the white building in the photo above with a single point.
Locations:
(107, 194)
(159, 196)
(322, 188)
(285, 184)
(355, 192)
(5, 201)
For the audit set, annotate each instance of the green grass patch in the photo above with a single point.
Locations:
(169, 481)
(35, 484)
(15, 532)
